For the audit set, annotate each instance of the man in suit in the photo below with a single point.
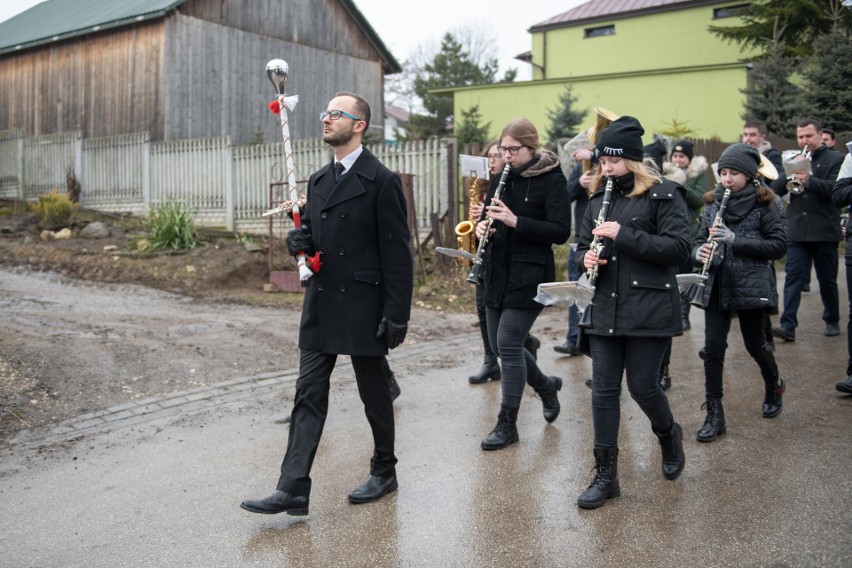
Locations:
(357, 304)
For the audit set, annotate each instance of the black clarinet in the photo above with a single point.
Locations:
(596, 245)
(475, 276)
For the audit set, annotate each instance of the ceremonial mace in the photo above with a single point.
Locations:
(277, 71)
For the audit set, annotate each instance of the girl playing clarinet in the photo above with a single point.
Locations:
(749, 236)
(636, 305)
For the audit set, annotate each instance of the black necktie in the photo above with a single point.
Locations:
(338, 170)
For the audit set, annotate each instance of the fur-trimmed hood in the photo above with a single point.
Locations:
(697, 166)
(547, 161)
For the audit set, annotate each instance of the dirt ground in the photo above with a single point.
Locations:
(90, 323)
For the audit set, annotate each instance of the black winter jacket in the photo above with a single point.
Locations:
(519, 259)
(842, 197)
(811, 216)
(744, 277)
(636, 292)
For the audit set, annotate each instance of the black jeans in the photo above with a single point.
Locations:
(507, 330)
(849, 323)
(483, 324)
(717, 324)
(641, 357)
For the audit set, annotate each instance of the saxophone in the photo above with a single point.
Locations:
(466, 230)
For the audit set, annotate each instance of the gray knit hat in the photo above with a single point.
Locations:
(740, 157)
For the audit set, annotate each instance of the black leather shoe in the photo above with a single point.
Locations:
(568, 348)
(845, 386)
(785, 334)
(278, 502)
(393, 387)
(372, 489)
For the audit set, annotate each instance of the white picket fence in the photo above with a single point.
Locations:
(227, 186)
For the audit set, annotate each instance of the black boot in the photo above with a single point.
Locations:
(549, 402)
(772, 403)
(714, 424)
(605, 484)
(671, 447)
(665, 378)
(684, 314)
(490, 370)
(505, 432)
(532, 344)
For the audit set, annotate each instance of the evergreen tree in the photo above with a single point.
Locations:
(564, 119)
(771, 96)
(452, 66)
(469, 130)
(828, 81)
(797, 25)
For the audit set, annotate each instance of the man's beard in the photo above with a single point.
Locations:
(339, 138)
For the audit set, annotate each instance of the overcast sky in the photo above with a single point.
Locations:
(404, 26)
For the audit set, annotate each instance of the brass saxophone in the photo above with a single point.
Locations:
(596, 245)
(466, 230)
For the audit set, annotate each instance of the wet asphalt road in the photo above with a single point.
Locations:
(158, 483)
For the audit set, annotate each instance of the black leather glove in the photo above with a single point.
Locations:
(393, 332)
(299, 240)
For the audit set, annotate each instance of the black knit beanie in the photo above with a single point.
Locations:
(740, 157)
(622, 139)
(684, 147)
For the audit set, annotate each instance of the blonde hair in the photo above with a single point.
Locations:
(644, 176)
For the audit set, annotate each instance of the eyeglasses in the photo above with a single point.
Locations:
(495, 156)
(336, 114)
(512, 150)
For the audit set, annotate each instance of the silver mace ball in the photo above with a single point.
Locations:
(277, 70)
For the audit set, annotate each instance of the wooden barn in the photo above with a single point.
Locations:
(184, 68)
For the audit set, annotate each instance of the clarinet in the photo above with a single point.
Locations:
(698, 296)
(475, 276)
(597, 243)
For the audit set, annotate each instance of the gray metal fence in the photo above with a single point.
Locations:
(228, 186)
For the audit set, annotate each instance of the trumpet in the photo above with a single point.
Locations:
(596, 245)
(475, 276)
(792, 165)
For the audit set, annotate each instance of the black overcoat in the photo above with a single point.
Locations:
(636, 292)
(359, 226)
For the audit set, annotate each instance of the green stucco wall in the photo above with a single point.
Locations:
(657, 67)
(653, 41)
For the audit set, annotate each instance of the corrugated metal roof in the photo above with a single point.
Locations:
(610, 9)
(61, 19)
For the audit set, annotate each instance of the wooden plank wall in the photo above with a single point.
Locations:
(216, 83)
(101, 85)
(323, 24)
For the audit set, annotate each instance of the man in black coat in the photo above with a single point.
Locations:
(357, 304)
(813, 233)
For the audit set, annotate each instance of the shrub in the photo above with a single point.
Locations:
(54, 210)
(171, 226)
